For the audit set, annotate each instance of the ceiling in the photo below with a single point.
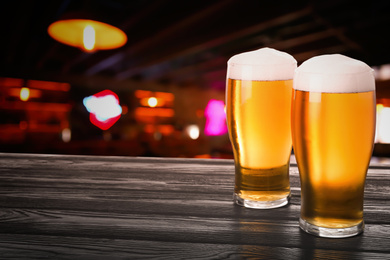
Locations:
(187, 43)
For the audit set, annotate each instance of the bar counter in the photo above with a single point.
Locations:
(107, 207)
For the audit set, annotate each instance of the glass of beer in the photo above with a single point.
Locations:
(333, 129)
(258, 111)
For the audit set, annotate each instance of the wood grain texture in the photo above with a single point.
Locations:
(85, 207)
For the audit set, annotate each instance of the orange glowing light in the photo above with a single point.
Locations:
(24, 94)
(154, 99)
(154, 112)
(159, 95)
(143, 93)
(89, 35)
(164, 95)
(152, 102)
(48, 85)
(11, 82)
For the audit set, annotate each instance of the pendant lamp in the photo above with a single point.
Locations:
(90, 35)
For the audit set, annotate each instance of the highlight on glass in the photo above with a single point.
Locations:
(333, 129)
(258, 112)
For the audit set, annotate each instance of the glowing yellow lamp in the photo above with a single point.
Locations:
(24, 94)
(152, 102)
(89, 35)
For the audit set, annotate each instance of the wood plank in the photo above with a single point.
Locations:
(176, 228)
(20, 246)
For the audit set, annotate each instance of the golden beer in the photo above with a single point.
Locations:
(259, 122)
(261, 144)
(333, 136)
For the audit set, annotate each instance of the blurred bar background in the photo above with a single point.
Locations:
(161, 93)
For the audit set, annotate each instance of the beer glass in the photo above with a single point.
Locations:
(258, 111)
(333, 128)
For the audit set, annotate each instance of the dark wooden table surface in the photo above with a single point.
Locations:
(85, 207)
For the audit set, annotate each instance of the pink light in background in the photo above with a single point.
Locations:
(215, 118)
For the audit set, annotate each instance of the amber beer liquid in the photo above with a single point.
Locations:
(261, 144)
(258, 112)
(333, 133)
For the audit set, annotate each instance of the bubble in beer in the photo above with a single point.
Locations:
(264, 64)
(334, 73)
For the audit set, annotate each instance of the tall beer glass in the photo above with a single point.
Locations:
(258, 110)
(333, 128)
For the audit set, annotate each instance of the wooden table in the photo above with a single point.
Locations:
(84, 207)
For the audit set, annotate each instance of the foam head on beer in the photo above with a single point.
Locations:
(334, 73)
(264, 64)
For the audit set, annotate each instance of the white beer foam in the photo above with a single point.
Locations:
(262, 65)
(334, 73)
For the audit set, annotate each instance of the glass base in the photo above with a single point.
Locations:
(256, 204)
(331, 232)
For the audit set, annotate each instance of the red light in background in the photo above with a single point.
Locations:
(104, 109)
